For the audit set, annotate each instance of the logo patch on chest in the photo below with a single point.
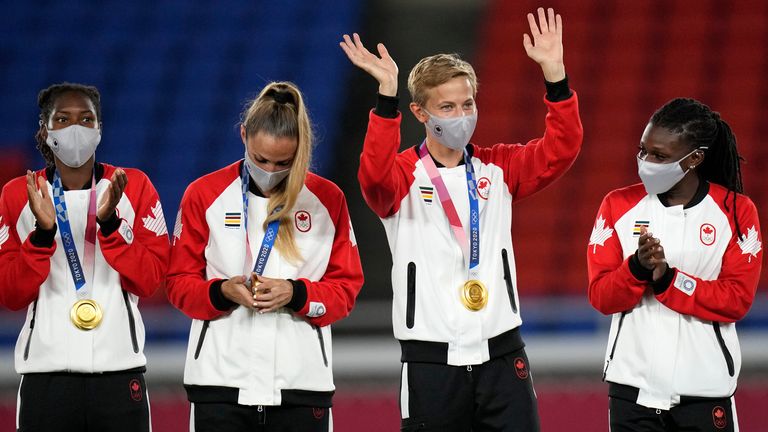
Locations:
(427, 194)
(639, 224)
(483, 187)
(303, 220)
(707, 234)
(232, 219)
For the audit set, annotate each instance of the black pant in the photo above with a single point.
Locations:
(227, 417)
(109, 402)
(494, 396)
(701, 415)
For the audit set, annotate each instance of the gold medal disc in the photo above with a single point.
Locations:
(86, 314)
(474, 295)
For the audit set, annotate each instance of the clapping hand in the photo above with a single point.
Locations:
(651, 254)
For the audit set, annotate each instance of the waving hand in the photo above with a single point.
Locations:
(546, 48)
(382, 68)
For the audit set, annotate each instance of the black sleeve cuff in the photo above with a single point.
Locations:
(638, 271)
(299, 298)
(664, 281)
(386, 106)
(110, 225)
(558, 91)
(217, 298)
(42, 237)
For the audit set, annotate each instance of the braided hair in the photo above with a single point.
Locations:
(701, 128)
(46, 99)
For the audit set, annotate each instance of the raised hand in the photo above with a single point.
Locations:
(271, 294)
(651, 254)
(546, 49)
(382, 68)
(112, 196)
(40, 201)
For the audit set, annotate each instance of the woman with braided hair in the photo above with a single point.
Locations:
(81, 242)
(676, 261)
(264, 259)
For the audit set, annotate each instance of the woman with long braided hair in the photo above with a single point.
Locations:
(676, 261)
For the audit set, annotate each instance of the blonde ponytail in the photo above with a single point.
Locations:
(279, 111)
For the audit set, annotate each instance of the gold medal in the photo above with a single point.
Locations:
(86, 314)
(474, 295)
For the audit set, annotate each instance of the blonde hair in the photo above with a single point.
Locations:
(438, 69)
(279, 111)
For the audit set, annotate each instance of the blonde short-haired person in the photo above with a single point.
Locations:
(446, 207)
(264, 259)
(81, 242)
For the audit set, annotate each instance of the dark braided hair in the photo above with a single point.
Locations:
(699, 126)
(46, 100)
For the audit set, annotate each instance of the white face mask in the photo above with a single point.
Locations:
(74, 145)
(264, 179)
(452, 132)
(660, 177)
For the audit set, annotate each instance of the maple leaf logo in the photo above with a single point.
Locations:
(483, 184)
(302, 217)
(600, 233)
(3, 232)
(177, 227)
(156, 221)
(749, 243)
(708, 230)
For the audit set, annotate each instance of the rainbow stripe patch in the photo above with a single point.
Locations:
(427, 193)
(232, 220)
(638, 225)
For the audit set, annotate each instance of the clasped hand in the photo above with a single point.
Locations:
(264, 294)
(650, 253)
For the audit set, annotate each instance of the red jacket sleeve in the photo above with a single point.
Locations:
(531, 167)
(612, 286)
(343, 277)
(187, 286)
(139, 253)
(384, 178)
(729, 297)
(23, 266)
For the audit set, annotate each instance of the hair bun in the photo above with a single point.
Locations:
(283, 97)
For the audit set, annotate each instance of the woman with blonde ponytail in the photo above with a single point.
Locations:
(264, 259)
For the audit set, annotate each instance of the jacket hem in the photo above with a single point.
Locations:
(437, 352)
(222, 394)
(629, 393)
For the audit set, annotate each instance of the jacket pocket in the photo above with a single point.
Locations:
(31, 329)
(131, 322)
(410, 307)
(724, 348)
(615, 341)
(508, 280)
(322, 344)
(200, 339)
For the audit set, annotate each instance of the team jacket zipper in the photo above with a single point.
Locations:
(724, 348)
(31, 329)
(200, 340)
(131, 323)
(322, 344)
(410, 308)
(508, 280)
(615, 341)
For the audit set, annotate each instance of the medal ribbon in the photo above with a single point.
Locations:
(471, 248)
(270, 234)
(67, 239)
